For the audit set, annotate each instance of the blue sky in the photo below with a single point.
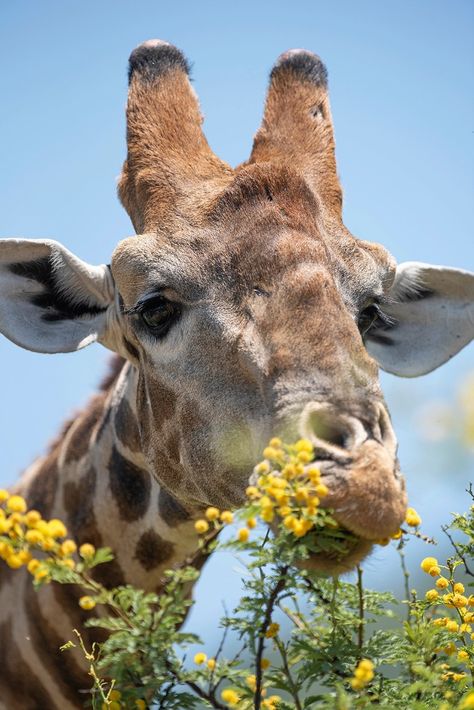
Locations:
(402, 90)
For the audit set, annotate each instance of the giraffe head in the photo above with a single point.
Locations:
(244, 305)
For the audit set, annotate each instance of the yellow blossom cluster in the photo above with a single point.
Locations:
(451, 595)
(286, 487)
(28, 540)
(363, 674)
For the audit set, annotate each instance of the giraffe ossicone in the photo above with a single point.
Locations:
(242, 309)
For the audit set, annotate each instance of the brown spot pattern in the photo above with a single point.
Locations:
(152, 550)
(80, 439)
(130, 486)
(78, 499)
(170, 509)
(126, 426)
(42, 489)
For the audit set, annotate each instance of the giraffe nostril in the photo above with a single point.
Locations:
(327, 428)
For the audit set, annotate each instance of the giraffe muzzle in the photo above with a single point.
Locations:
(359, 465)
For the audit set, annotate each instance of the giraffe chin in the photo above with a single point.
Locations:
(330, 565)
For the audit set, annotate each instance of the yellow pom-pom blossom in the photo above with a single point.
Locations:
(251, 681)
(243, 534)
(211, 664)
(201, 526)
(87, 603)
(459, 588)
(264, 664)
(87, 551)
(428, 563)
(467, 703)
(442, 583)
(4, 495)
(68, 547)
(227, 517)
(363, 674)
(431, 595)
(212, 514)
(56, 528)
(412, 518)
(16, 504)
(200, 658)
(231, 697)
(32, 517)
(272, 630)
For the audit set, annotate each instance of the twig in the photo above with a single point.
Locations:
(445, 529)
(291, 682)
(271, 601)
(360, 630)
(406, 578)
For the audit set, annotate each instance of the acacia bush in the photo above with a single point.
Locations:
(334, 650)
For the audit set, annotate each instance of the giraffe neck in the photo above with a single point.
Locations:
(96, 480)
(107, 496)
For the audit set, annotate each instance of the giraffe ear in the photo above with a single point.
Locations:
(430, 319)
(51, 301)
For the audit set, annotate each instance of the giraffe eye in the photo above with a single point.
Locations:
(159, 315)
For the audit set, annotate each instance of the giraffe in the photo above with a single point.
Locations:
(243, 309)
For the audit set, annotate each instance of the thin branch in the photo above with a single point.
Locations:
(271, 601)
(286, 666)
(361, 627)
(469, 571)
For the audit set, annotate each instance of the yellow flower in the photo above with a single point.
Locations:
(442, 583)
(262, 468)
(230, 696)
(459, 588)
(252, 492)
(271, 702)
(458, 600)
(304, 445)
(463, 655)
(69, 563)
(275, 442)
(272, 630)
(140, 704)
(251, 523)
(243, 534)
(264, 664)
(428, 563)
(211, 664)
(201, 526)
(270, 452)
(467, 702)
(14, 561)
(87, 551)
(57, 528)
(451, 625)
(412, 518)
(4, 495)
(251, 681)
(304, 456)
(321, 490)
(465, 629)
(68, 547)
(34, 537)
(5, 526)
(397, 535)
(16, 504)
(227, 517)
(200, 658)
(87, 603)
(431, 595)
(41, 574)
(32, 517)
(289, 522)
(434, 571)
(32, 566)
(212, 514)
